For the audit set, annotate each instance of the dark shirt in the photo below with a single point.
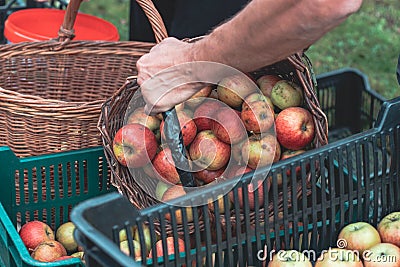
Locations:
(184, 18)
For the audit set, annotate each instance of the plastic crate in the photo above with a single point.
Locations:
(339, 195)
(45, 188)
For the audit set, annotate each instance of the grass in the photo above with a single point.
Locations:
(369, 40)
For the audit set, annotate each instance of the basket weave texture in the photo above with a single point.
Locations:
(296, 68)
(51, 92)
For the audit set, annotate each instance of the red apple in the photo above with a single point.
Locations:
(228, 126)
(251, 191)
(236, 170)
(260, 151)
(339, 257)
(64, 258)
(48, 251)
(267, 82)
(389, 228)
(289, 258)
(134, 145)
(170, 247)
(188, 127)
(35, 232)
(257, 97)
(291, 153)
(236, 152)
(175, 192)
(139, 116)
(382, 255)
(286, 94)
(203, 115)
(208, 152)
(233, 89)
(359, 236)
(208, 176)
(258, 117)
(165, 167)
(294, 128)
(196, 99)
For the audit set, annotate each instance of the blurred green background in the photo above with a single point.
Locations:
(368, 40)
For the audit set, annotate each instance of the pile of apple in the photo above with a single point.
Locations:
(228, 129)
(46, 245)
(359, 244)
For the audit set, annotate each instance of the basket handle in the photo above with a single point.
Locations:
(66, 31)
(155, 19)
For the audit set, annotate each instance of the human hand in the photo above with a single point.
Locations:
(166, 76)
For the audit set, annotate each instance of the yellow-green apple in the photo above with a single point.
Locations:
(289, 258)
(228, 126)
(233, 89)
(389, 228)
(267, 82)
(146, 235)
(165, 167)
(48, 251)
(257, 97)
(285, 94)
(170, 244)
(35, 232)
(208, 176)
(359, 236)
(134, 145)
(188, 127)
(79, 255)
(261, 150)
(123, 235)
(196, 99)
(203, 114)
(65, 235)
(382, 255)
(294, 128)
(139, 116)
(339, 257)
(209, 152)
(258, 117)
(124, 247)
(160, 189)
(175, 192)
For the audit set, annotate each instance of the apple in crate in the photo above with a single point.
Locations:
(65, 235)
(175, 192)
(228, 126)
(124, 247)
(35, 232)
(289, 258)
(62, 258)
(359, 236)
(339, 257)
(134, 145)
(389, 228)
(48, 251)
(258, 117)
(170, 244)
(382, 255)
(295, 128)
(267, 82)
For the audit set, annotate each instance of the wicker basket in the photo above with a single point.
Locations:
(51, 92)
(295, 68)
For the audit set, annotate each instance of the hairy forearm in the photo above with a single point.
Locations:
(267, 31)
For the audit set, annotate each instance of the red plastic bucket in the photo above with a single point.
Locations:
(41, 24)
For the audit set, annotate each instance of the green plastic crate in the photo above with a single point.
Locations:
(45, 188)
